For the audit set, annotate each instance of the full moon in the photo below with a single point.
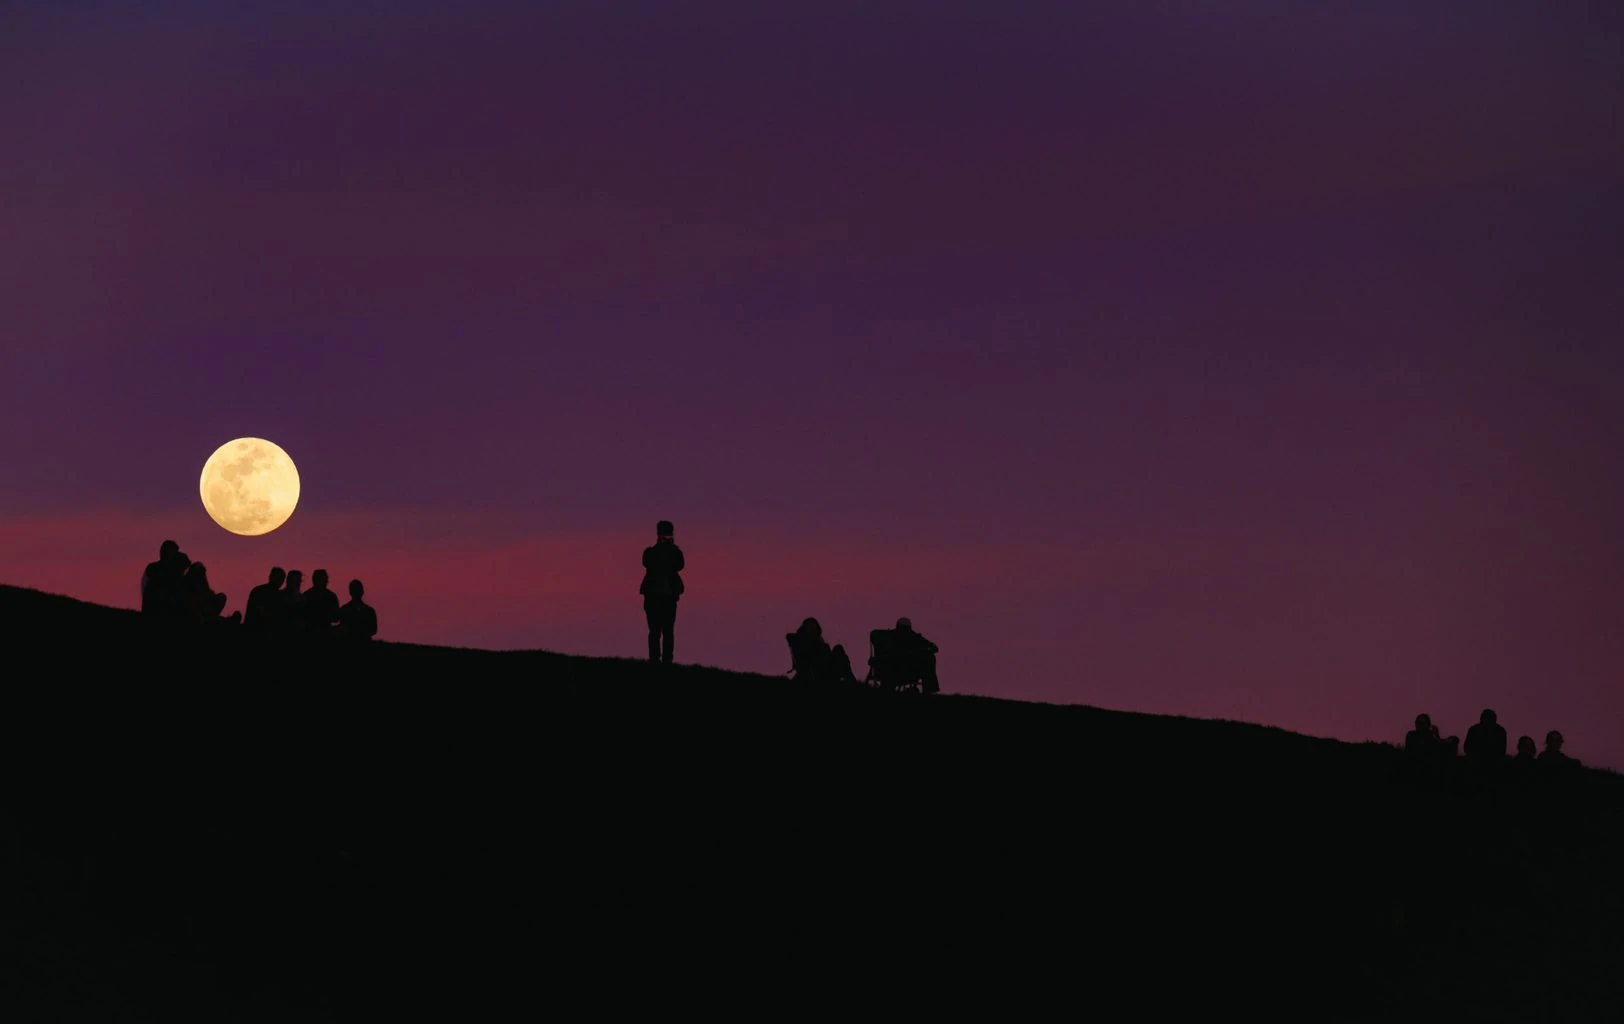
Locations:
(249, 486)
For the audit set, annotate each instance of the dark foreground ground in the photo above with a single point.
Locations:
(206, 829)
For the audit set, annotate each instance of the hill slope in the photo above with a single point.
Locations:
(201, 825)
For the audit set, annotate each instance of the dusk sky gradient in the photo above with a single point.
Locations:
(1254, 360)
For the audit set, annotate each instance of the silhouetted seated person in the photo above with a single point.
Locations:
(291, 616)
(357, 622)
(811, 659)
(1425, 750)
(840, 666)
(1449, 746)
(903, 657)
(1522, 766)
(183, 564)
(320, 605)
(1486, 741)
(199, 599)
(263, 611)
(1552, 756)
(161, 582)
(917, 648)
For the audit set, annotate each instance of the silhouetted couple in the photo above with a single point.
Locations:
(662, 587)
(813, 660)
(281, 607)
(176, 588)
(1424, 741)
(1548, 763)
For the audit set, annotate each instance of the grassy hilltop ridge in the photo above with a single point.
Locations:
(208, 825)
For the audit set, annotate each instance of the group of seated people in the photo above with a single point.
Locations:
(176, 588)
(282, 607)
(1485, 745)
(901, 658)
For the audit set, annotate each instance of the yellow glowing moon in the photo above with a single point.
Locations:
(249, 486)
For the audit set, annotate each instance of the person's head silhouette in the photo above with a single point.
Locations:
(905, 624)
(276, 576)
(1488, 717)
(356, 589)
(1423, 723)
(663, 530)
(811, 627)
(1553, 742)
(295, 579)
(1525, 746)
(168, 549)
(318, 579)
(197, 570)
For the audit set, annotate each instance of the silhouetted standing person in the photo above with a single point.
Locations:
(1486, 741)
(356, 620)
(263, 610)
(320, 605)
(661, 589)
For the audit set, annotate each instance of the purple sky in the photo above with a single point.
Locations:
(1253, 360)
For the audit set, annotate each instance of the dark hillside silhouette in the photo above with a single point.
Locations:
(394, 829)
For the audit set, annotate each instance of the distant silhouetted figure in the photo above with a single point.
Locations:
(1486, 741)
(1552, 755)
(320, 605)
(1426, 752)
(811, 659)
(661, 589)
(198, 598)
(161, 582)
(1422, 740)
(356, 620)
(1525, 749)
(263, 611)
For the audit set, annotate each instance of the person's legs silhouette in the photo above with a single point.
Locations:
(661, 613)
